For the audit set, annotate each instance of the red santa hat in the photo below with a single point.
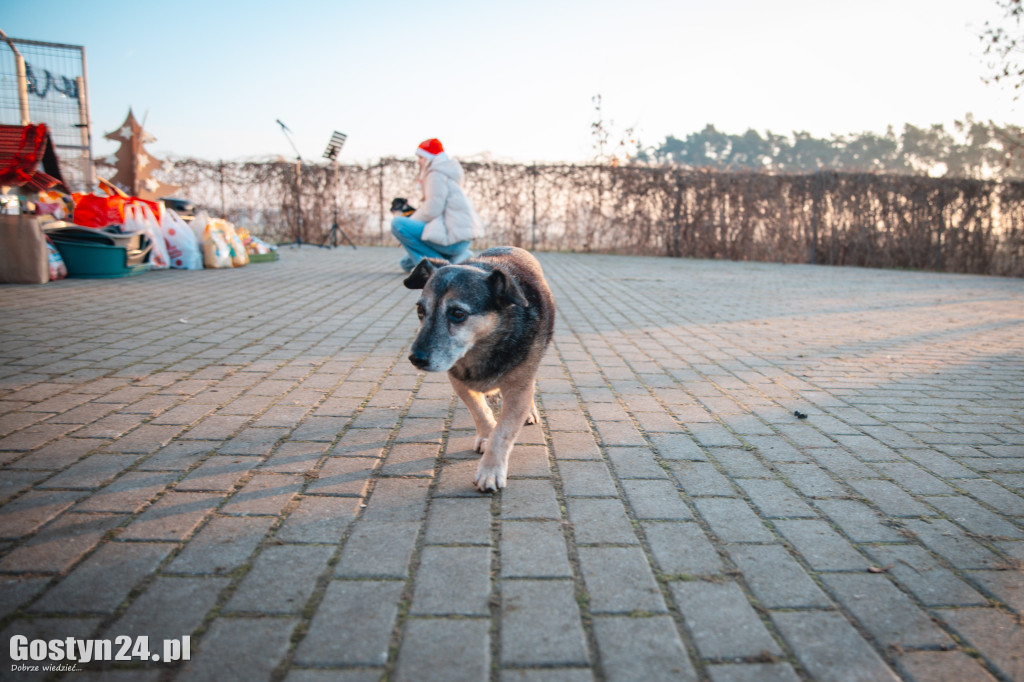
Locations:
(428, 149)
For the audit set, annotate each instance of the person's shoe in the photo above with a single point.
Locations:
(462, 257)
(407, 264)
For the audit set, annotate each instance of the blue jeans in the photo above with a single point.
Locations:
(410, 233)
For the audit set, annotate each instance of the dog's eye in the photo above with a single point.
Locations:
(420, 312)
(457, 315)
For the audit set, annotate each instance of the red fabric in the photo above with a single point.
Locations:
(96, 211)
(21, 153)
(432, 146)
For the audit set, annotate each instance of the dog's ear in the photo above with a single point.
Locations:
(506, 289)
(417, 279)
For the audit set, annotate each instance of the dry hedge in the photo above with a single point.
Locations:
(873, 220)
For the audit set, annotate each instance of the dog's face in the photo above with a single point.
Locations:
(461, 307)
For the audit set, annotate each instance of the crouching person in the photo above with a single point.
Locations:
(445, 223)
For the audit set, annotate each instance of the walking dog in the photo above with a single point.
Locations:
(487, 322)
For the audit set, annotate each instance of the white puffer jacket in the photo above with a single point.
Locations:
(447, 211)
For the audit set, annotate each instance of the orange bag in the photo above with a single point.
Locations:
(94, 211)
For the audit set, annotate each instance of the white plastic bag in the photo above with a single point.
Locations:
(182, 246)
(138, 218)
(199, 224)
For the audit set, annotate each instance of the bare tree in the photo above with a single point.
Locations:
(1005, 43)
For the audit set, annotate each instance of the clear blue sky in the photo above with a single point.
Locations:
(514, 79)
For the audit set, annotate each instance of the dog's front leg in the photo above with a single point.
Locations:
(492, 472)
(483, 417)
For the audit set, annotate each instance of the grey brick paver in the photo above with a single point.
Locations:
(101, 582)
(219, 473)
(529, 499)
(655, 500)
(642, 649)
(459, 521)
(821, 547)
(973, 517)
(635, 463)
(128, 493)
(888, 614)
(173, 517)
(352, 625)
(774, 499)
(398, 499)
(91, 472)
(619, 580)
(776, 579)
(953, 544)
(681, 548)
(264, 494)
(277, 479)
(752, 672)
(59, 454)
(732, 520)
(294, 458)
(169, 608)
(379, 549)
(701, 478)
(931, 582)
(281, 579)
(597, 521)
(533, 549)
(264, 640)
(859, 521)
(570, 445)
(453, 581)
(179, 455)
(28, 512)
(721, 620)
(540, 624)
(17, 590)
(60, 544)
(586, 479)
(319, 519)
(924, 666)
(997, 635)
(444, 651)
(829, 648)
(221, 545)
(890, 498)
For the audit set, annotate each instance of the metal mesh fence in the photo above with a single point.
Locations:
(57, 96)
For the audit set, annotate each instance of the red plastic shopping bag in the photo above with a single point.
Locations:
(96, 211)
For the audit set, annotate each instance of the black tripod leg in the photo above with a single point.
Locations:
(349, 240)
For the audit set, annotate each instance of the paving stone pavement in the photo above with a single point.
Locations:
(246, 457)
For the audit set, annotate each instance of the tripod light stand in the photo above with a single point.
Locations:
(333, 147)
(298, 184)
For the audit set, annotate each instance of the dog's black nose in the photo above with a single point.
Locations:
(419, 358)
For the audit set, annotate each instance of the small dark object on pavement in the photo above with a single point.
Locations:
(799, 414)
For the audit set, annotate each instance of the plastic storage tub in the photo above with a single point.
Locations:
(85, 259)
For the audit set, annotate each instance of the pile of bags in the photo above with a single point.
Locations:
(177, 243)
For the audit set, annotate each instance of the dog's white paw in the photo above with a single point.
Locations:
(533, 417)
(490, 479)
(480, 444)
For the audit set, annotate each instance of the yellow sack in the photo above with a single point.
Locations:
(216, 252)
(239, 256)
